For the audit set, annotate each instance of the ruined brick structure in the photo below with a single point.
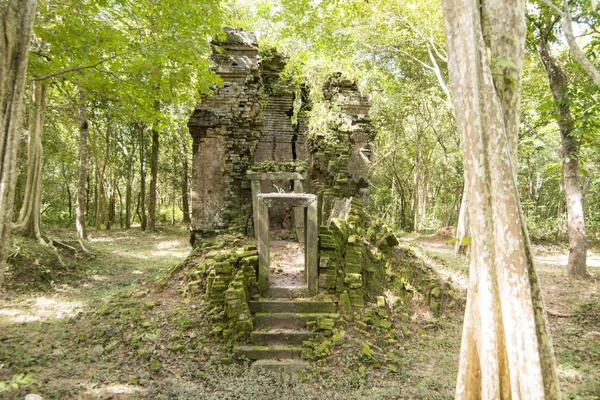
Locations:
(255, 117)
(340, 151)
(226, 127)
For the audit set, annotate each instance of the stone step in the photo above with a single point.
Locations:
(288, 306)
(282, 337)
(287, 320)
(268, 353)
(288, 292)
(280, 366)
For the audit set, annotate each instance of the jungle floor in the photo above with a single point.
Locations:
(124, 329)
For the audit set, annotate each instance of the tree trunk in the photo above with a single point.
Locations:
(153, 181)
(416, 185)
(557, 80)
(83, 167)
(111, 211)
(142, 199)
(506, 350)
(462, 226)
(16, 23)
(128, 203)
(29, 217)
(185, 199)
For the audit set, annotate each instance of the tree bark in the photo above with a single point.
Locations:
(16, 23)
(128, 203)
(28, 223)
(83, 167)
(462, 226)
(153, 182)
(557, 79)
(506, 350)
(142, 198)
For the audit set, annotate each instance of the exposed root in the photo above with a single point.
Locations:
(559, 314)
(63, 245)
(86, 250)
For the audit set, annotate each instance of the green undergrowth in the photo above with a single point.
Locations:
(34, 266)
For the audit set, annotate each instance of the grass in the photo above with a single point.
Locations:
(118, 327)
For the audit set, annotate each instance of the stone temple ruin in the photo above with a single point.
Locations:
(250, 146)
(269, 165)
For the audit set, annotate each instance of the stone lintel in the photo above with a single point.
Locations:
(274, 176)
(290, 199)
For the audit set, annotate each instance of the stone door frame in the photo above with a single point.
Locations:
(308, 203)
(256, 179)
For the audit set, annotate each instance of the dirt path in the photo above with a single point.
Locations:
(287, 264)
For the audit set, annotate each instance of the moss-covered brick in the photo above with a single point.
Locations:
(327, 242)
(223, 268)
(221, 257)
(323, 325)
(357, 297)
(388, 241)
(243, 254)
(245, 326)
(346, 305)
(353, 268)
(351, 240)
(250, 260)
(354, 281)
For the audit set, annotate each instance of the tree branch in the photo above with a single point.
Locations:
(83, 67)
(566, 24)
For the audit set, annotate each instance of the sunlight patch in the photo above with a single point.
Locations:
(168, 244)
(101, 239)
(41, 309)
(569, 372)
(113, 389)
(171, 253)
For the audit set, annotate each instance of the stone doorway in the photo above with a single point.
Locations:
(304, 281)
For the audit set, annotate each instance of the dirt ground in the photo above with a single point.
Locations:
(128, 331)
(287, 264)
(572, 305)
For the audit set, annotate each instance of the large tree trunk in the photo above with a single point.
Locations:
(153, 182)
(506, 350)
(83, 167)
(16, 23)
(142, 198)
(557, 79)
(29, 217)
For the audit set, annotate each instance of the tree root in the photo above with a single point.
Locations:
(48, 243)
(559, 314)
(592, 334)
(86, 250)
(63, 245)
